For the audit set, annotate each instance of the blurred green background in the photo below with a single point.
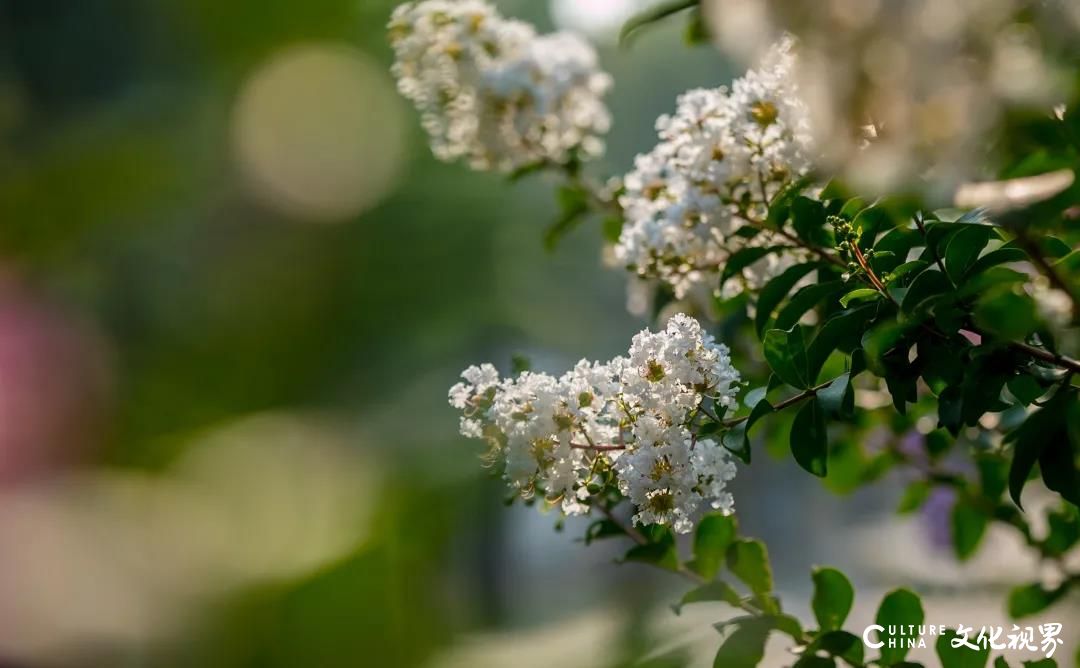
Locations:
(222, 231)
(234, 290)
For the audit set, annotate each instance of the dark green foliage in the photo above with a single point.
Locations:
(809, 442)
(962, 656)
(786, 353)
(660, 551)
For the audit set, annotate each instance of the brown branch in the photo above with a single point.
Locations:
(1044, 355)
(596, 448)
(790, 401)
(628, 529)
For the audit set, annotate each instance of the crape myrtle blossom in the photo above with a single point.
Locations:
(492, 92)
(723, 155)
(629, 421)
(926, 80)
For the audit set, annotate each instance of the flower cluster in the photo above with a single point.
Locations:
(629, 422)
(493, 92)
(723, 155)
(926, 80)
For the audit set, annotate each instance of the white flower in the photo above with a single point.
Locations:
(723, 155)
(494, 93)
(632, 416)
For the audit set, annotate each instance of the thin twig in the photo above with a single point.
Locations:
(628, 529)
(779, 406)
(1044, 355)
(596, 448)
(1038, 353)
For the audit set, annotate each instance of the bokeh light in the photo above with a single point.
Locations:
(55, 385)
(105, 561)
(318, 132)
(599, 19)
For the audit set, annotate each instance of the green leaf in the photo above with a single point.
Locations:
(834, 190)
(603, 529)
(1000, 662)
(968, 527)
(749, 561)
(900, 606)
(780, 207)
(809, 442)
(964, 248)
(737, 440)
(755, 396)
(1064, 530)
(1025, 388)
(697, 29)
(839, 644)
(808, 219)
(1005, 313)
(1002, 255)
(789, 625)
(661, 553)
(915, 495)
(838, 398)
(906, 272)
(715, 533)
(612, 228)
(785, 351)
(993, 475)
(775, 290)
(1054, 247)
(814, 661)
(744, 257)
(833, 597)
(984, 379)
(994, 277)
(718, 590)
(880, 341)
(1058, 461)
(962, 656)
(527, 170)
(927, 286)
(841, 332)
(745, 646)
(1044, 431)
(1033, 598)
(805, 299)
(520, 363)
(573, 206)
(941, 363)
(651, 15)
(859, 294)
